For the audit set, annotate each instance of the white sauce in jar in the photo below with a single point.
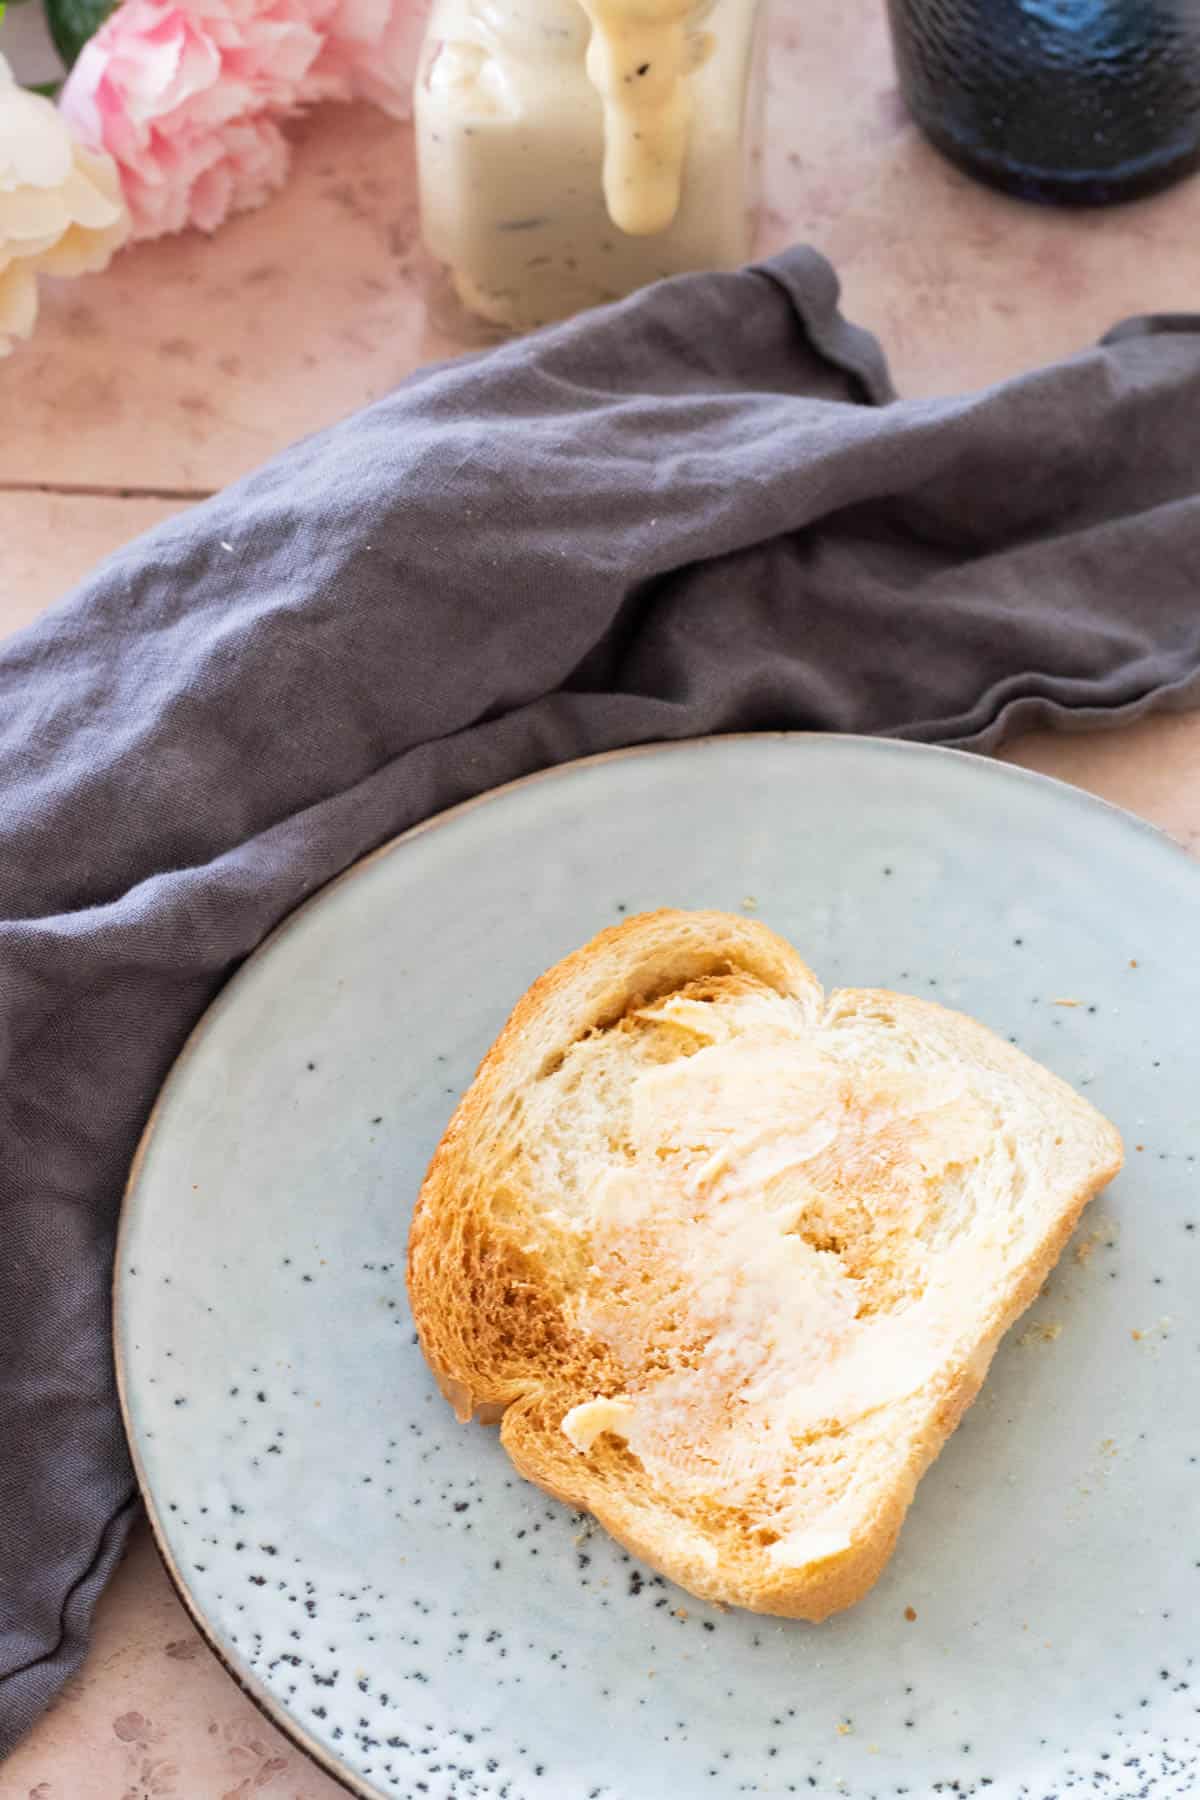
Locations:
(550, 182)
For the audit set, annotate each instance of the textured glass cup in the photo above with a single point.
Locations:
(1080, 102)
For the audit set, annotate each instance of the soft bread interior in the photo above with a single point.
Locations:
(733, 1257)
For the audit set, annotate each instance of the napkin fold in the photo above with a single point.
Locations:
(701, 510)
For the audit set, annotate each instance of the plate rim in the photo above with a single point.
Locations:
(255, 1690)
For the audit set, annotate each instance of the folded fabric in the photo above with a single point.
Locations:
(701, 510)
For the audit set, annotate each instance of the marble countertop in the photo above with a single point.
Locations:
(191, 360)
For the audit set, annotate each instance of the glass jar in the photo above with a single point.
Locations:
(567, 156)
(1075, 101)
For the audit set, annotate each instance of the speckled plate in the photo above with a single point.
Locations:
(377, 1577)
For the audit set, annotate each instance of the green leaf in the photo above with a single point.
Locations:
(73, 22)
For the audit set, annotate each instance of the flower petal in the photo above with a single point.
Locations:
(86, 203)
(29, 213)
(18, 304)
(82, 252)
(101, 171)
(35, 145)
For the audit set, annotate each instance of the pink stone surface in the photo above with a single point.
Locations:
(191, 360)
(49, 541)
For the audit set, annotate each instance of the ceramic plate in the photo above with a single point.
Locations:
(378, 1577)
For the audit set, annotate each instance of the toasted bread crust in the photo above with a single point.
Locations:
(493, 1285)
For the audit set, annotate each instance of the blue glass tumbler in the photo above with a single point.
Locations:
(1076, 102)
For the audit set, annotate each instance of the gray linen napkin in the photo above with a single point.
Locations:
(701, 510)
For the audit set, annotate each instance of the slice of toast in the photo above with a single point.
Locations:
(729, 1258)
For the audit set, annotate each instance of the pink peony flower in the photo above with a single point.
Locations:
(186, 97)
(370, 53)
(186, 101)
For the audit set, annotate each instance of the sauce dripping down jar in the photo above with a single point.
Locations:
(570, 151)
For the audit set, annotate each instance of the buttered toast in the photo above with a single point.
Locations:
(728, 1257)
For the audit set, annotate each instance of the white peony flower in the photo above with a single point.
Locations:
(61, 211)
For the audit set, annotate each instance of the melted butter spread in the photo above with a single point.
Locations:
(587, 1421)
(639, 60)
(778, 1255)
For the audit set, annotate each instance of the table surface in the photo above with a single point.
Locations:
(193, 359)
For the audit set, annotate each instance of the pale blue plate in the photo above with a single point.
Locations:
(376, 1575)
